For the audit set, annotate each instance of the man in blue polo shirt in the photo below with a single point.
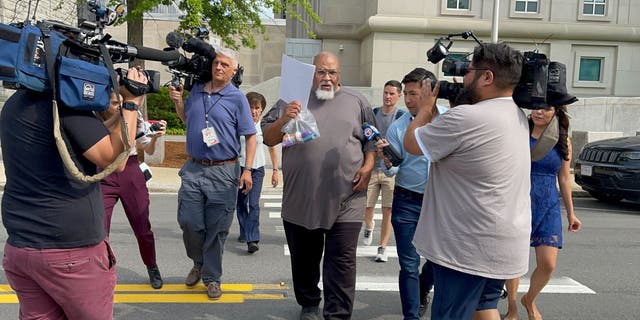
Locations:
(216, 114)
(411, 179)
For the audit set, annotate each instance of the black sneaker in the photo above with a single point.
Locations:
(252, 247)
(154, 277)
(310, 313)
(424, 305)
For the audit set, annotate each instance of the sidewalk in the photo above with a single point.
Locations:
(167, 180)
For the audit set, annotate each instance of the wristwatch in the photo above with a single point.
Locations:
(248, 169)
(130, 105)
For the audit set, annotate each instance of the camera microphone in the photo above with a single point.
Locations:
(174, 40)
(199, 47)
(371, 133)
(143, 53)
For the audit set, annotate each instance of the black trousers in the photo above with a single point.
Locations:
(338, 267)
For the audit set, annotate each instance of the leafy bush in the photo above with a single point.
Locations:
(160, 107)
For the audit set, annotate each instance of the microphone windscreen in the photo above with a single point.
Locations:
(174, 40)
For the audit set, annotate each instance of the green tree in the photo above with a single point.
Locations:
(234, 21)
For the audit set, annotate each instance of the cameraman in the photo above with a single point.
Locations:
(216, 114)
(57, 258)
(476, 217)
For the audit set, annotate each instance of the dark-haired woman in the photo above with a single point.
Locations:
(546, 220)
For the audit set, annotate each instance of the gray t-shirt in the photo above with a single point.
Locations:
(318, 174)
(476, 213)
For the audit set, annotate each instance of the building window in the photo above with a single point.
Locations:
(526, 6)
(590, 69)
(594, 7)
(529, 9)
(594, 69)
(458, 4)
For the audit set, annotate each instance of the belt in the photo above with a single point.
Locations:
(207, 162)
(408, 192)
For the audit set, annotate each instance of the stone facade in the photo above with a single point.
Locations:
(384, 40)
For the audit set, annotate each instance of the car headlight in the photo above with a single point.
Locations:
(630, 155)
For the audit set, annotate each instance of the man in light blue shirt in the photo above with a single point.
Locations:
(411, 179)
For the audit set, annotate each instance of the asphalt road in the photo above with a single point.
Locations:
(596, 277)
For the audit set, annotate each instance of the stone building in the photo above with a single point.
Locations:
(377, 40)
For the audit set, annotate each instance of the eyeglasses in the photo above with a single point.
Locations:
(332, 73)
(469, 69)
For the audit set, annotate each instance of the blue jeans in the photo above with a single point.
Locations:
(405, 213)
(248, 208)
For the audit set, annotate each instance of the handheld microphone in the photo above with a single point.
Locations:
(371, 133)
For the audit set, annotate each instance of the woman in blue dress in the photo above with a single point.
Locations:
(546, 219)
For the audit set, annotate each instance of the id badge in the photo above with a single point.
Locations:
(209, 136)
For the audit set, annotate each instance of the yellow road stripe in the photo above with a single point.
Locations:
(172, 298)
(8, 298)
(177, 293)
(268, 286)
(240, 287)
(176, 298)
(233, 287)
(264, 296)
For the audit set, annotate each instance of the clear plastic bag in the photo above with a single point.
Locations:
(300, 129)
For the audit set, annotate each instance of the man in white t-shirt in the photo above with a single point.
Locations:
(476, 217)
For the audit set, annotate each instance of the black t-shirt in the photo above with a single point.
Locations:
(43, 206)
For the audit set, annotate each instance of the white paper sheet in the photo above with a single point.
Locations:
(296, 79)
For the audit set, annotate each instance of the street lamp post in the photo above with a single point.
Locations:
(495, 20)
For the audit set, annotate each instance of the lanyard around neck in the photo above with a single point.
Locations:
(207, 110)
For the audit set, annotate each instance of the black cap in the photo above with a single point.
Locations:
(557, 94)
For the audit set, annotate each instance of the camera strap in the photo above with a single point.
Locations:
(69, 164)
(548, 139)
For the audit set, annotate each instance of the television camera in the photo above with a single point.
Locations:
(452, 66)
(84, 42)
(529, 93)
(197, 68)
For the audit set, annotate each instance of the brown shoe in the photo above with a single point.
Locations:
(213, 291)
(193, 277)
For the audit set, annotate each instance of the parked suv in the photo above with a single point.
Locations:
(610, 169)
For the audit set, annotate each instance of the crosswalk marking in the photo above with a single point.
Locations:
(273, 205)
(555, 285)
(277, 215)
(558, 285)
(274, 215)
(271, 196)
(390, 283)
(279, 205)
(198, 294)
(362, 251)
